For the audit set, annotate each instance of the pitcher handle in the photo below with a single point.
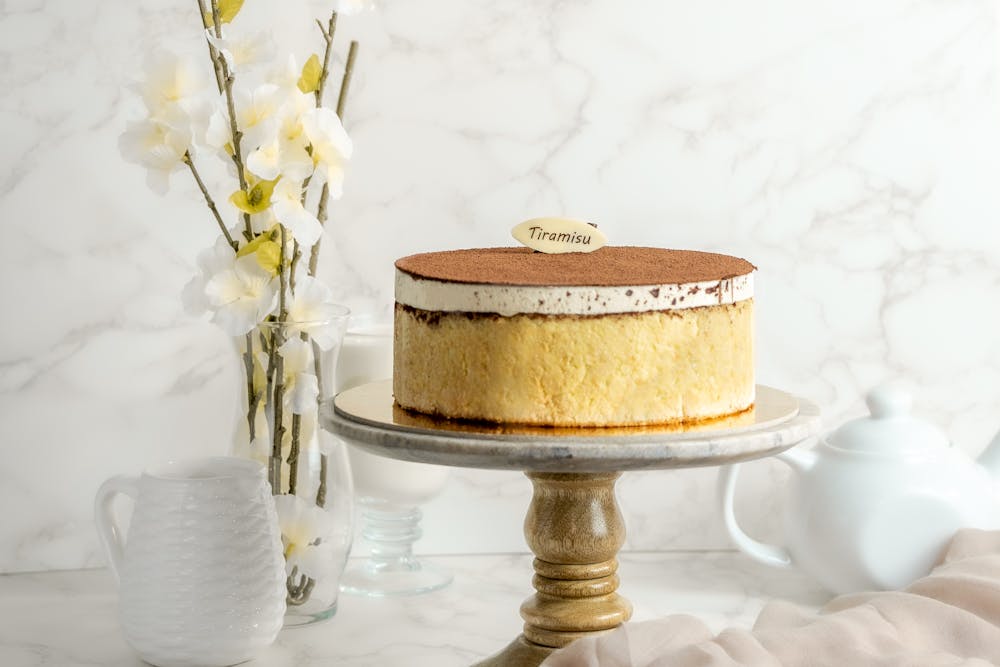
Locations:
(108, 529)
(769, 554)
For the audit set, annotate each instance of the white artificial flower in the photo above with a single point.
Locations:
(280, 157)
(350, 7)
(304, 531)
(286, 202)
(218, 133)
(331, 147)
(301, 384)
(286, 76)
(259, 222)
(286, 155)
(313, 312)
(159, 145)
(265, 161)
(255, 117)
(242, 295)
(242, 52)
(256, 114)
(210, 261)
(260, 448)
(172, 82)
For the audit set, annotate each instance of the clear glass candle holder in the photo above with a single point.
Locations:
(388, 492)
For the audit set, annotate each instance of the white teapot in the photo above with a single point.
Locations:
(874, 503)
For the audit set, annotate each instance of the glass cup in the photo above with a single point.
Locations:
(388, 492)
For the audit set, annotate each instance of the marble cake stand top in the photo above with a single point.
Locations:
(367, 417)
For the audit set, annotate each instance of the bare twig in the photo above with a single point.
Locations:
(345, 83)
(278, 366)
(253, 396)
(212, 53)
(298, 592)
(293, 454)
(227, 81)
(189, 161)
(321, 491)
(328, 37)
(324, 198)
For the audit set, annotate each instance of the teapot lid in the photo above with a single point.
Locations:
(890, 429)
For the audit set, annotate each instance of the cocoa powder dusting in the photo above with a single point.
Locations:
(609, 266)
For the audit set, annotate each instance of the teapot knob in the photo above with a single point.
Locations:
(887, 401)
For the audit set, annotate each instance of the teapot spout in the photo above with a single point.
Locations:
(990, 458)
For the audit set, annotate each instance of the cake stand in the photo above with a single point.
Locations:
(573, 525)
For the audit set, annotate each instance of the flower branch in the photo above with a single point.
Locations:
(284, 145)
(345, 84)
(189, 161)
(227, 82)
(328, 38)
(212, 53)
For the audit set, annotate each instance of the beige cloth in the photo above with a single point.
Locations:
(950, 617)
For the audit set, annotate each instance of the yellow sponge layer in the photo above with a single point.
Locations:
(606, 370)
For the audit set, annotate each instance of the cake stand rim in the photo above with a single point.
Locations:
(540, 453)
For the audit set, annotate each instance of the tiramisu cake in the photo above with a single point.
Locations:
(619, 336)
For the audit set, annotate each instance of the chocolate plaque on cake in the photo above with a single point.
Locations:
(559, 235)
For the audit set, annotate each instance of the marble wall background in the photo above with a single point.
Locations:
(848, 148)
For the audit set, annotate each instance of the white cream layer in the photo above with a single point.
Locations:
(508, 300)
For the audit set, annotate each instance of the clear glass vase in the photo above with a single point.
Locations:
(287, 371)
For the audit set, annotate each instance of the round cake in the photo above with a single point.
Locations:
(616, 337)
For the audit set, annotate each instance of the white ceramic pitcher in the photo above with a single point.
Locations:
(201, 573)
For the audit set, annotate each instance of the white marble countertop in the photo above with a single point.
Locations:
(67, 619)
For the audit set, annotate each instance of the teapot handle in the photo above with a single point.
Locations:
(107, 528)
(769, 554)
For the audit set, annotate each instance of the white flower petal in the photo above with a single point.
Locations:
(158, 181)
(159, 145)
(217, 133)
(303, 225)
(289, 509)
(170, 81)
(210, 261)
(286, 76)
(296, 164)
(242, 297)
(286, 202)
(304, 394)
(264, 162)
(350, 7)
(313, 312)
(331, 146)
(217, 258)
(296, 354)
(315, 561)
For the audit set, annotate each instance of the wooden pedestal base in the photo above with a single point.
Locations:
(575, 530)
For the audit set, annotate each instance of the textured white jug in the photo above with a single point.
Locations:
(201, 573)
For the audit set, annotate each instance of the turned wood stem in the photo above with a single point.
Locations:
(575, 529)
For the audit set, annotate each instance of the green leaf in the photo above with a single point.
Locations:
(255, 201)
(269, 256)
(228, 9)
(266, 249)
(240, 201)
(311, 72)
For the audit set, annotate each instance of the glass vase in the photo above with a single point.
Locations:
(287, 371)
